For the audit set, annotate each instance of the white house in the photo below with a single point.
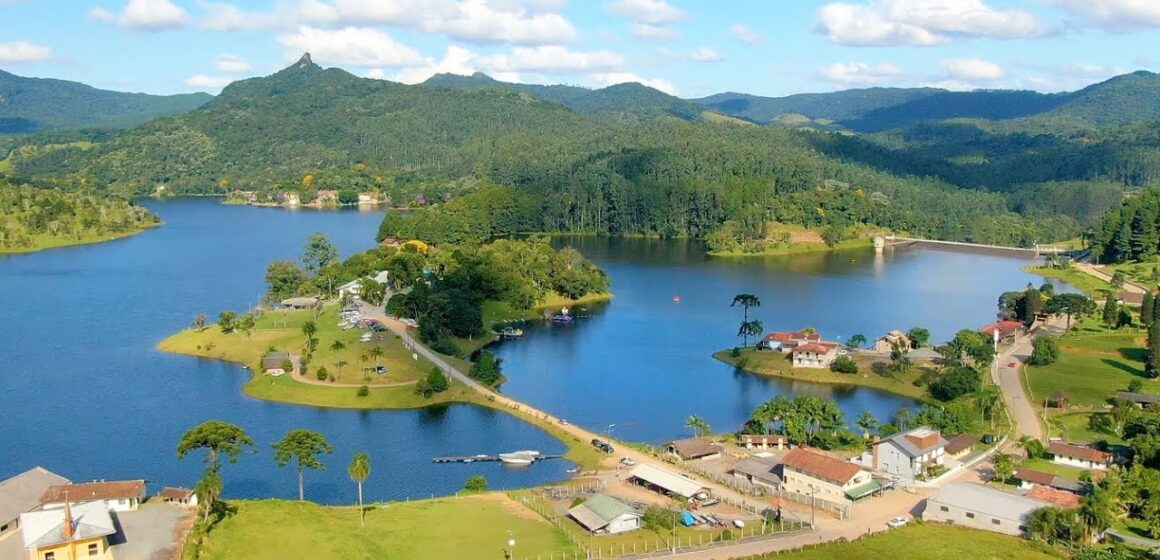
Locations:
(909, 454)
(821, 476)
(981, 507)
(22, 493)
(119, 495)
(352, 288)
(1079, 456)
(784, 342)
(605, 514)
(814, 354)
(180, 496)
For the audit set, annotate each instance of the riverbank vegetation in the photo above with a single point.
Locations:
(33, 219)
(776, 364)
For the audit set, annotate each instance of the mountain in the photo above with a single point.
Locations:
(625, 101)
(38, 104)
(1119, 100)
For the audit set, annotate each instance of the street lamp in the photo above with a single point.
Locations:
(608, 432)
(511, 550)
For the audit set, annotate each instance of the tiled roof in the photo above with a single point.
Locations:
(695, 447)
(960, 442)
(1079, 452)
(1034, 477)
(114, 490)
(816, 347)
(171, 493)
(1060, 498)
(1004, 327)
(823, 467)
(917, 441)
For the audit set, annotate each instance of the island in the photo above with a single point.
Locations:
(35, 219)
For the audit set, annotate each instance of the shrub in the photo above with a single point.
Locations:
(956, 383)
(736, 352)
(844, 364)
(657, 518)
(1045, 350)
(476, 483)
(364, 391)
(882, 368)
(322, 374)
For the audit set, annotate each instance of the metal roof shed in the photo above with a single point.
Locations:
(668, 481)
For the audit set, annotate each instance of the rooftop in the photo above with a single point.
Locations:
(961, 442)
(1004, 327)
(1079, 452)
(1061, 498)
(988, 501)
(22, 492)
(820, 466)
(917, 441)
(816, 347)
(171, 493)
(598, 511)
(760, 468)
(113, 490)
(1034, 477)
(670, 481)
(47, 527)
(695, 447)
(1142, 398)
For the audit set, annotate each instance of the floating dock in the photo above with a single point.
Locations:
(484, 458)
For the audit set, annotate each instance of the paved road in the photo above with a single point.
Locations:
(1102, 274)
(1010, 382)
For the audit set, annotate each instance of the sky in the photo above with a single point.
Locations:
(690, 48)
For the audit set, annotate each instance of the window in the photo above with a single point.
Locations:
(970, 515)
(1023, 528)
(49, 556)
(995, 521)
(944, 508)
(94, 549)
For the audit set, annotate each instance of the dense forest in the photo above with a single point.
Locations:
(1130, 231)
(476, 158)
(32, 218)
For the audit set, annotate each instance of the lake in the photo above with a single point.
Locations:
(85, 393)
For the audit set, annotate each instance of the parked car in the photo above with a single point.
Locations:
(596, 442)
(605, 447)
(627, 461)
(897, 522)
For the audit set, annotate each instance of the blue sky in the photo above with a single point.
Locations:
(690, 48)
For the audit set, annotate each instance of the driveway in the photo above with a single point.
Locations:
(150, 533)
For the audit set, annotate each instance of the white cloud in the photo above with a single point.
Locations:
(859, 73)
(354, 46)
(705, 54)
(922, 22)
(647, 11)
(23, 51)
(746, 35)
(479, 21)
(220, 16)
(457, 60)
(1114, 15)
(650, 32)
(144, 15)
(231, 64)
(951, 85)
(207, 82)
(552, 59)
(971, 69)
(605, 79)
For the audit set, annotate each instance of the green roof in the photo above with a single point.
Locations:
(863, 490)
(607, 507)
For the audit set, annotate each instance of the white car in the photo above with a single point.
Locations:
(628, 461)
(897, 522)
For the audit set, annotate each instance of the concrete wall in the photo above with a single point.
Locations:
(948, 513)
(1072, 462)
(624, 523)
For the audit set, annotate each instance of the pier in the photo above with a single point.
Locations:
(484, 458)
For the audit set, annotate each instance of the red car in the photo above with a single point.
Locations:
(1013, 364)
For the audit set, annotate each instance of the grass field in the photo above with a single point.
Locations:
(1048, 466)
(1073, 427)
(1091, 285)
(776, 364)
(1145, 272)
(928, 542)
(1094, 363)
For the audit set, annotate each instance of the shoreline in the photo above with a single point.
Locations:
(800, 248)
(898, 387)
(1092, 286)
(79, 243)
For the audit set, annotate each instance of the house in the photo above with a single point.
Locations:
(22, 493)
(981, 507)
(351, 288)
(695, 448)
(300, 302)
(275, 361)
(884, 344)
(367, 198)
(1003, 331)
(909, 454)
(68, 533)
(290, 198)
(1079, 456)
(960, 446)
(1059, 498)
(605, 514)
(786, 341)
(815, 354)
(666, 482)
(117, 495)
(180, 496)
(758, 471)
(382, 277)
(808, 472)
(762, 441)
(1139, 399)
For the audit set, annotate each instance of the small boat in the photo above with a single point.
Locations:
(511, 332)
(561, 318)
(676, 299)
(573, 470)
(516, 458)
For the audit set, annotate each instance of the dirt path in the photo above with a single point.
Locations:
(1099, 272)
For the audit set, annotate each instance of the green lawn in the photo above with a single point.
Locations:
(1091, 285)
(1145, 272)
(776, 364)
(44, 241)
(1047, 466)
(928, 542)
(1074, 428)
(1093, 364)
(468, 527)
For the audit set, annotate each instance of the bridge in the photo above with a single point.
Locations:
(1028, 252)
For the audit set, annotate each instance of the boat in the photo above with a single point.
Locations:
(516, 458)
(561, 318)
(511, 332)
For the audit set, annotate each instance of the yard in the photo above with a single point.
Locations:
(776, 364)
(928, 542)
(1093, 364)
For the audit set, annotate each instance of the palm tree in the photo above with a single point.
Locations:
(750, 328)
(986, 399)
(699, 426)
(376, 352)
(867, 422)
(340, 364)
(359, 470)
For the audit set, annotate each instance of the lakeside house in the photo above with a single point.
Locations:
(69, 532)
(785, 342)
(1142, 400)
(809, 472)
(960, 446)
(354, 287)
(603, 514)
(1080, 456)
(1003, 331)
(762, 441)
(117, 495)
(300, 302)
(275, 361)
(180, 496)
(695, 448)
(21, 494)
(814, 355)
(759, 471)
(666, 482)
(909, 454)
(981, 507)
(885, 343)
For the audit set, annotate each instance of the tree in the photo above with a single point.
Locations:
(199, 321)
(303, 447)
(1148, 309)
(318, 254)
(899, 359)
(435, 382)
(1031, 306)
(1111, 310)
(341, 364)
(1004, 467)
(856, 341)
(284, 279)
(227, 321)
(1135, 385)
(867, 422)
(844, 364)
(476, 483)
(1152, 358)
(1054, 525)
(487, 369)
(246, 323)
(359, 470)
(1031, 447)
(217, 439)
(750, 328)
(376, 352)
(918, 336)
(337, 345)
(902, 418)
(987, 399)
(955, 383)
(1070, 305)
(1045, 350)
(699, 426)
(1098, 512)
(746, 301)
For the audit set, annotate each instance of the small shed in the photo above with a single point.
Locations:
(275, 360)
(180, 496)
(605, 514)
(762, 441)
(1060, 399)
(960, 445)
(300, 302)
(695, 448)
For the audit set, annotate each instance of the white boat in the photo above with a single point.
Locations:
(531, 452)
(517, 458)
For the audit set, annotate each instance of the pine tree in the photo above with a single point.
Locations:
(1148, 309)
(1152, 366)
(1111, 310)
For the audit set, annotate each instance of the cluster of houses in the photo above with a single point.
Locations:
(806, 348)
(61, 520)
(325, 197)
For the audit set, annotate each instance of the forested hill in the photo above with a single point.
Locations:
(629, 101)
(33, 218)
(30, 105)
(1122, 99)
